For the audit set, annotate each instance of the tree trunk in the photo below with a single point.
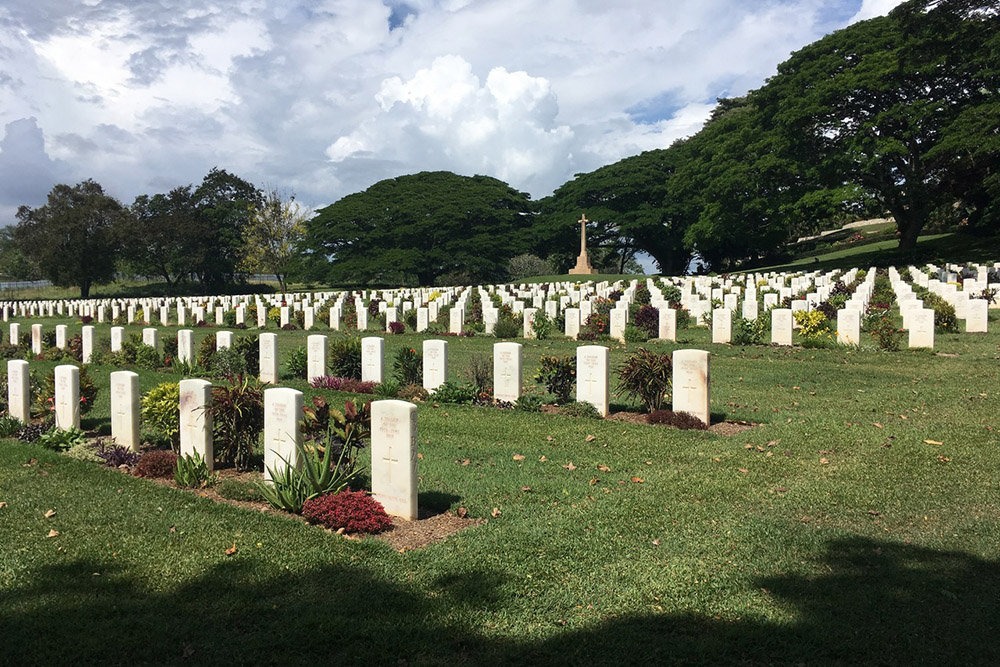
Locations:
(85, 289)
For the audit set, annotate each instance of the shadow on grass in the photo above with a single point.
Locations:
(875, 603)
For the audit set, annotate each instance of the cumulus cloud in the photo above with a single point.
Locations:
(872, 8)
(325, 97)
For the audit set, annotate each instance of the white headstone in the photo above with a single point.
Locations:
(572, 322)
(691, 383)
(593, 373)
(316, 356)
(507, 371)
(977, 316)
(282, 409)
(36, 339)
(422, 318)
(781, 326)
(67, 397)
(394, 457)
(435, 363)
(125, 409)
(528, 324)
(61, 330)
(921, 332)
(18, 390)
(185, 346)
(618, 319)
(15, 333)
(267, 344)
(223, 340)
(117, 333)
(372, 359)
(87, 343)
(151, 338)
(456, 317)
(722, 325)
(668, 323)
(196, 422)
(848, 326)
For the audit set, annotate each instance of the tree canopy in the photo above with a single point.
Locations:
(418, 228)
(73, 238)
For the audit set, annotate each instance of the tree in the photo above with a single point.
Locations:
(222, 204)
(274, 229)
(73, 237)
(417, 228)
(162, 234)
(14, 264)
(628, 207)
(874, 104)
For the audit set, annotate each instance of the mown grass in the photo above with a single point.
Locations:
(831, 533)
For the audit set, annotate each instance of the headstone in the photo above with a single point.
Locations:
(977, 316)
(435, 363)
(308, 316)
(362, 319)
(196, 422)
(456, 318)
(616, 327)
(394, 457)
(36, 339)
(921, 332)
(722, 325)
(18, 390)
(267, 344)
(164, 315)
(528, 324)
(316, 356)
(848, 326)
(507, 371)
(422, 318)
(572, 322)
(781, 326)
(15, 333)
(593, 364)
(223, 340)
(261, 316)
(282, 409)
(372, 359)
(691, 383)
(151, 338)
(67, 398)
(185, 346)
(125, 409)
(61, 336)
(668, 323)
(87, 343)
(117, 333)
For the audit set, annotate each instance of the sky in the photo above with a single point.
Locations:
(322, 98)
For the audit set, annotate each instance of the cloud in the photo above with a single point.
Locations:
(872, 8)
(326, 97)
(26, 171)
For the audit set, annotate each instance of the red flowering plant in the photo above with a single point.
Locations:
(352, 511)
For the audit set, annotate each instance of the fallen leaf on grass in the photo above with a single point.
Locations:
(638, 480)
(49, 514)
(465, 462)
(231, 550)
(420, 456)
(603, 468)
(526, 489)
(173, 529)
(943, 459)
(744, 470)
(590, 438)
(496, 512)
(824, 462)
(53, 533)
(781, 490)
(877, 425)
(656, 543)
(542, 459)
(569, 466)
(594, 481)
(462, 512)
(933, 442)
(3, 504)
(518, 457)
(32, 461)
(549, 438)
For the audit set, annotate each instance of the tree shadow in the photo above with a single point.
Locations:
(870, 603)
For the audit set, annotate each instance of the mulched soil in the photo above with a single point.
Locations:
(428, 528)
(725, 428)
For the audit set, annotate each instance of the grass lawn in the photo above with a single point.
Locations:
(831, 533)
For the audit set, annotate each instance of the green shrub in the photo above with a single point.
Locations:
(542, 325)
(8, 425)
(147, 358)
(160, 412)
(452, 392)
(508, 325)
(634, 334)
(480, 372)
(558, 374)
(61, 440)
(84, 451)
(812, 323)
(645, 375)
(387, 389)
(237, 412)
(750, 332)
(192, 472)
(206, 352)
(885, 333)
(345, 357)
(297, 363)
(580, 409)
(157, 463)
(229, 362)
(408, 366)
(529, 403)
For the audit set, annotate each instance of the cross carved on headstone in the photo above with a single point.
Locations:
(389, 461)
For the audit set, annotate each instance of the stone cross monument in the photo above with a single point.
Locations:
(582, 262)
